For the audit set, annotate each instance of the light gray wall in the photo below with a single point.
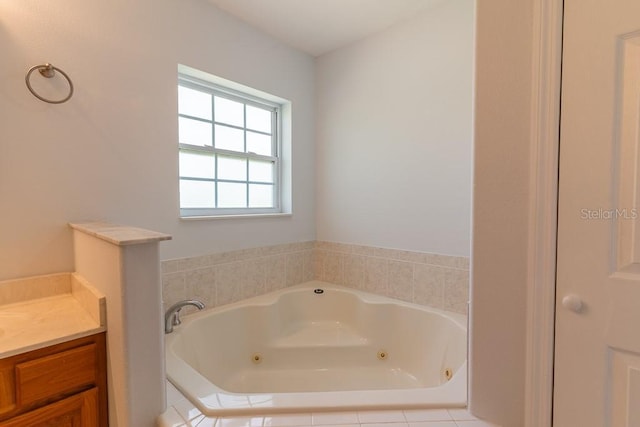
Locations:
(110, 153)
(394, 127)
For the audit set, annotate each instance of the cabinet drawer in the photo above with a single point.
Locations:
(55, 375)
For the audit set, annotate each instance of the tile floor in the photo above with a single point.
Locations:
(181, 413)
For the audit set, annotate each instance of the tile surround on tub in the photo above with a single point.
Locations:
(227, 277)
(436, 280)
(439, 281)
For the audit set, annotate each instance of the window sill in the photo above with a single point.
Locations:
(236, 216)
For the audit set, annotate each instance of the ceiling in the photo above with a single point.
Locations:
(320, 26)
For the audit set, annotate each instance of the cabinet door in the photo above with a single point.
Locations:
(80, 410)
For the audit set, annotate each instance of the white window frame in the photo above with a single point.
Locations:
(247, 99)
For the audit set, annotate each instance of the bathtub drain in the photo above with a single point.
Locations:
(382, 355)
(256, 358)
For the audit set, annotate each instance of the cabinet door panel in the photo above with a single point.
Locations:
(80, 410)
(56, 375)
(7, 390)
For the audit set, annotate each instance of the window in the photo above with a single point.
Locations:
(228, 150)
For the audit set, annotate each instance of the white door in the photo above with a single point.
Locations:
(597, 370)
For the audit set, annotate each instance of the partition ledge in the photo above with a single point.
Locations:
(118, 234)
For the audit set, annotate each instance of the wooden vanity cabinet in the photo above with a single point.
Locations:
(63, 385)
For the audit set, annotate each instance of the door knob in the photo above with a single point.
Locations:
(573, 303)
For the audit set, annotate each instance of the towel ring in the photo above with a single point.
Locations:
(47, 70)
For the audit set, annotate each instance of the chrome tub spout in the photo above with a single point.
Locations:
(172, 316)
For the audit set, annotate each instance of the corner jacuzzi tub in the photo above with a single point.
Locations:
(319, 347)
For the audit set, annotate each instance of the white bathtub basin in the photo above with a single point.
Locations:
(296, 350)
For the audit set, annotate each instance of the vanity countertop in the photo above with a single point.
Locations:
(47, 310)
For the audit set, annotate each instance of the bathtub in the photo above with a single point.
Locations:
(318, 347)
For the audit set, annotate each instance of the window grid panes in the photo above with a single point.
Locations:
(228, 149)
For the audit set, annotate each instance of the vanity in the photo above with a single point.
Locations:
(52, 353)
